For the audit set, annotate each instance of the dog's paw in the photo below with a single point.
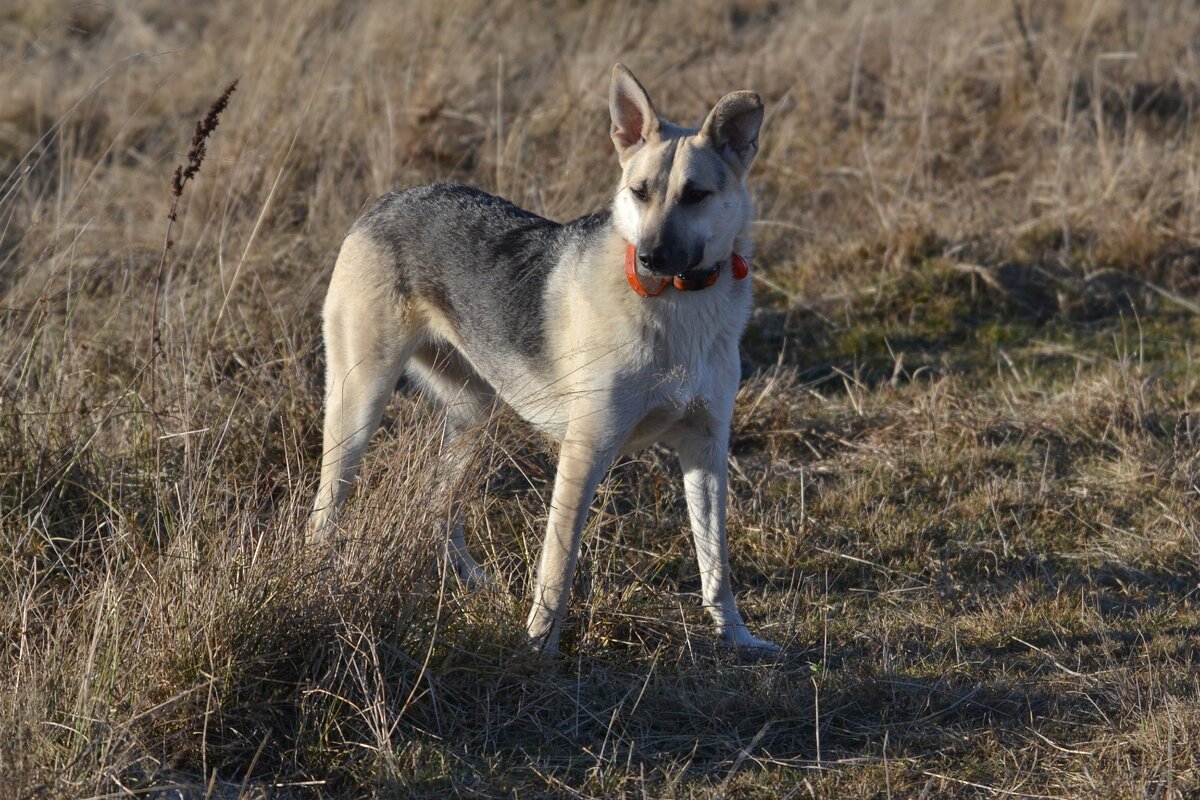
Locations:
(473, 578)
(542, 634)
(539, 652)
(530, 658)
(759, 650)
(748, 645)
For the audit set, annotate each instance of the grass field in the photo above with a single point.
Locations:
(965, 472)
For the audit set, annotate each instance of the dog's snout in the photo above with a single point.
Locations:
(655, 259)
(668, 260)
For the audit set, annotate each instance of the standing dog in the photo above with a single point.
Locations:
(608, 333)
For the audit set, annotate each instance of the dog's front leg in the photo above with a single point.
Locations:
(703, 449)
(587, 452)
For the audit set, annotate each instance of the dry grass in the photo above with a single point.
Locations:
(966, 467)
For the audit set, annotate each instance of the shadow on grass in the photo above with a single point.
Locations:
(702, 715)
(317, 701)
(940, 317)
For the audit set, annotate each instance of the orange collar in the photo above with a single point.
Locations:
(684, 283)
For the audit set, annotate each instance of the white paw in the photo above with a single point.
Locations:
(739, 638)
(472, 577)
(544, 643)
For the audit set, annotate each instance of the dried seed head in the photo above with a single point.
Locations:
(204, 129)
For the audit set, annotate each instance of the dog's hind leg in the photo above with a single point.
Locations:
(368, 339)
(467, 400)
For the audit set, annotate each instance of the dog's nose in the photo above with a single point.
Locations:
(654, 260)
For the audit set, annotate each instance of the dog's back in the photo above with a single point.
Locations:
(479, 260)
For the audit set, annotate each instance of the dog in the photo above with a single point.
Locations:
(608, 333)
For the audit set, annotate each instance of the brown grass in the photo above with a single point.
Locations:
(966, 464)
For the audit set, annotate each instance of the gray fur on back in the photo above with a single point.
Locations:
(480, 259)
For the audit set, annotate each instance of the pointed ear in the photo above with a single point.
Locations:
(633, 119)
(732, 127)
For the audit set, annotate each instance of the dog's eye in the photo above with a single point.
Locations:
(640, 192)
(691, 195)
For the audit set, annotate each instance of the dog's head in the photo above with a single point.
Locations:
(682, 200)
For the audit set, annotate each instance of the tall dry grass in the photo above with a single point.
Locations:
(965, 466)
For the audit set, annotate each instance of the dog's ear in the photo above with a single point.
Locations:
(633, 119)
(732, 127)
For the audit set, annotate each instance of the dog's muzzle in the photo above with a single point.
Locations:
(690, 281)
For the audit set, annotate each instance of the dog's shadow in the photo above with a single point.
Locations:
(700, 711)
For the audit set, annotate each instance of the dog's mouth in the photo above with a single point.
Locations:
(698, 274)
(691, 280)
(695, 274)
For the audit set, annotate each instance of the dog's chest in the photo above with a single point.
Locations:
(688, 373)
(642, 365)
